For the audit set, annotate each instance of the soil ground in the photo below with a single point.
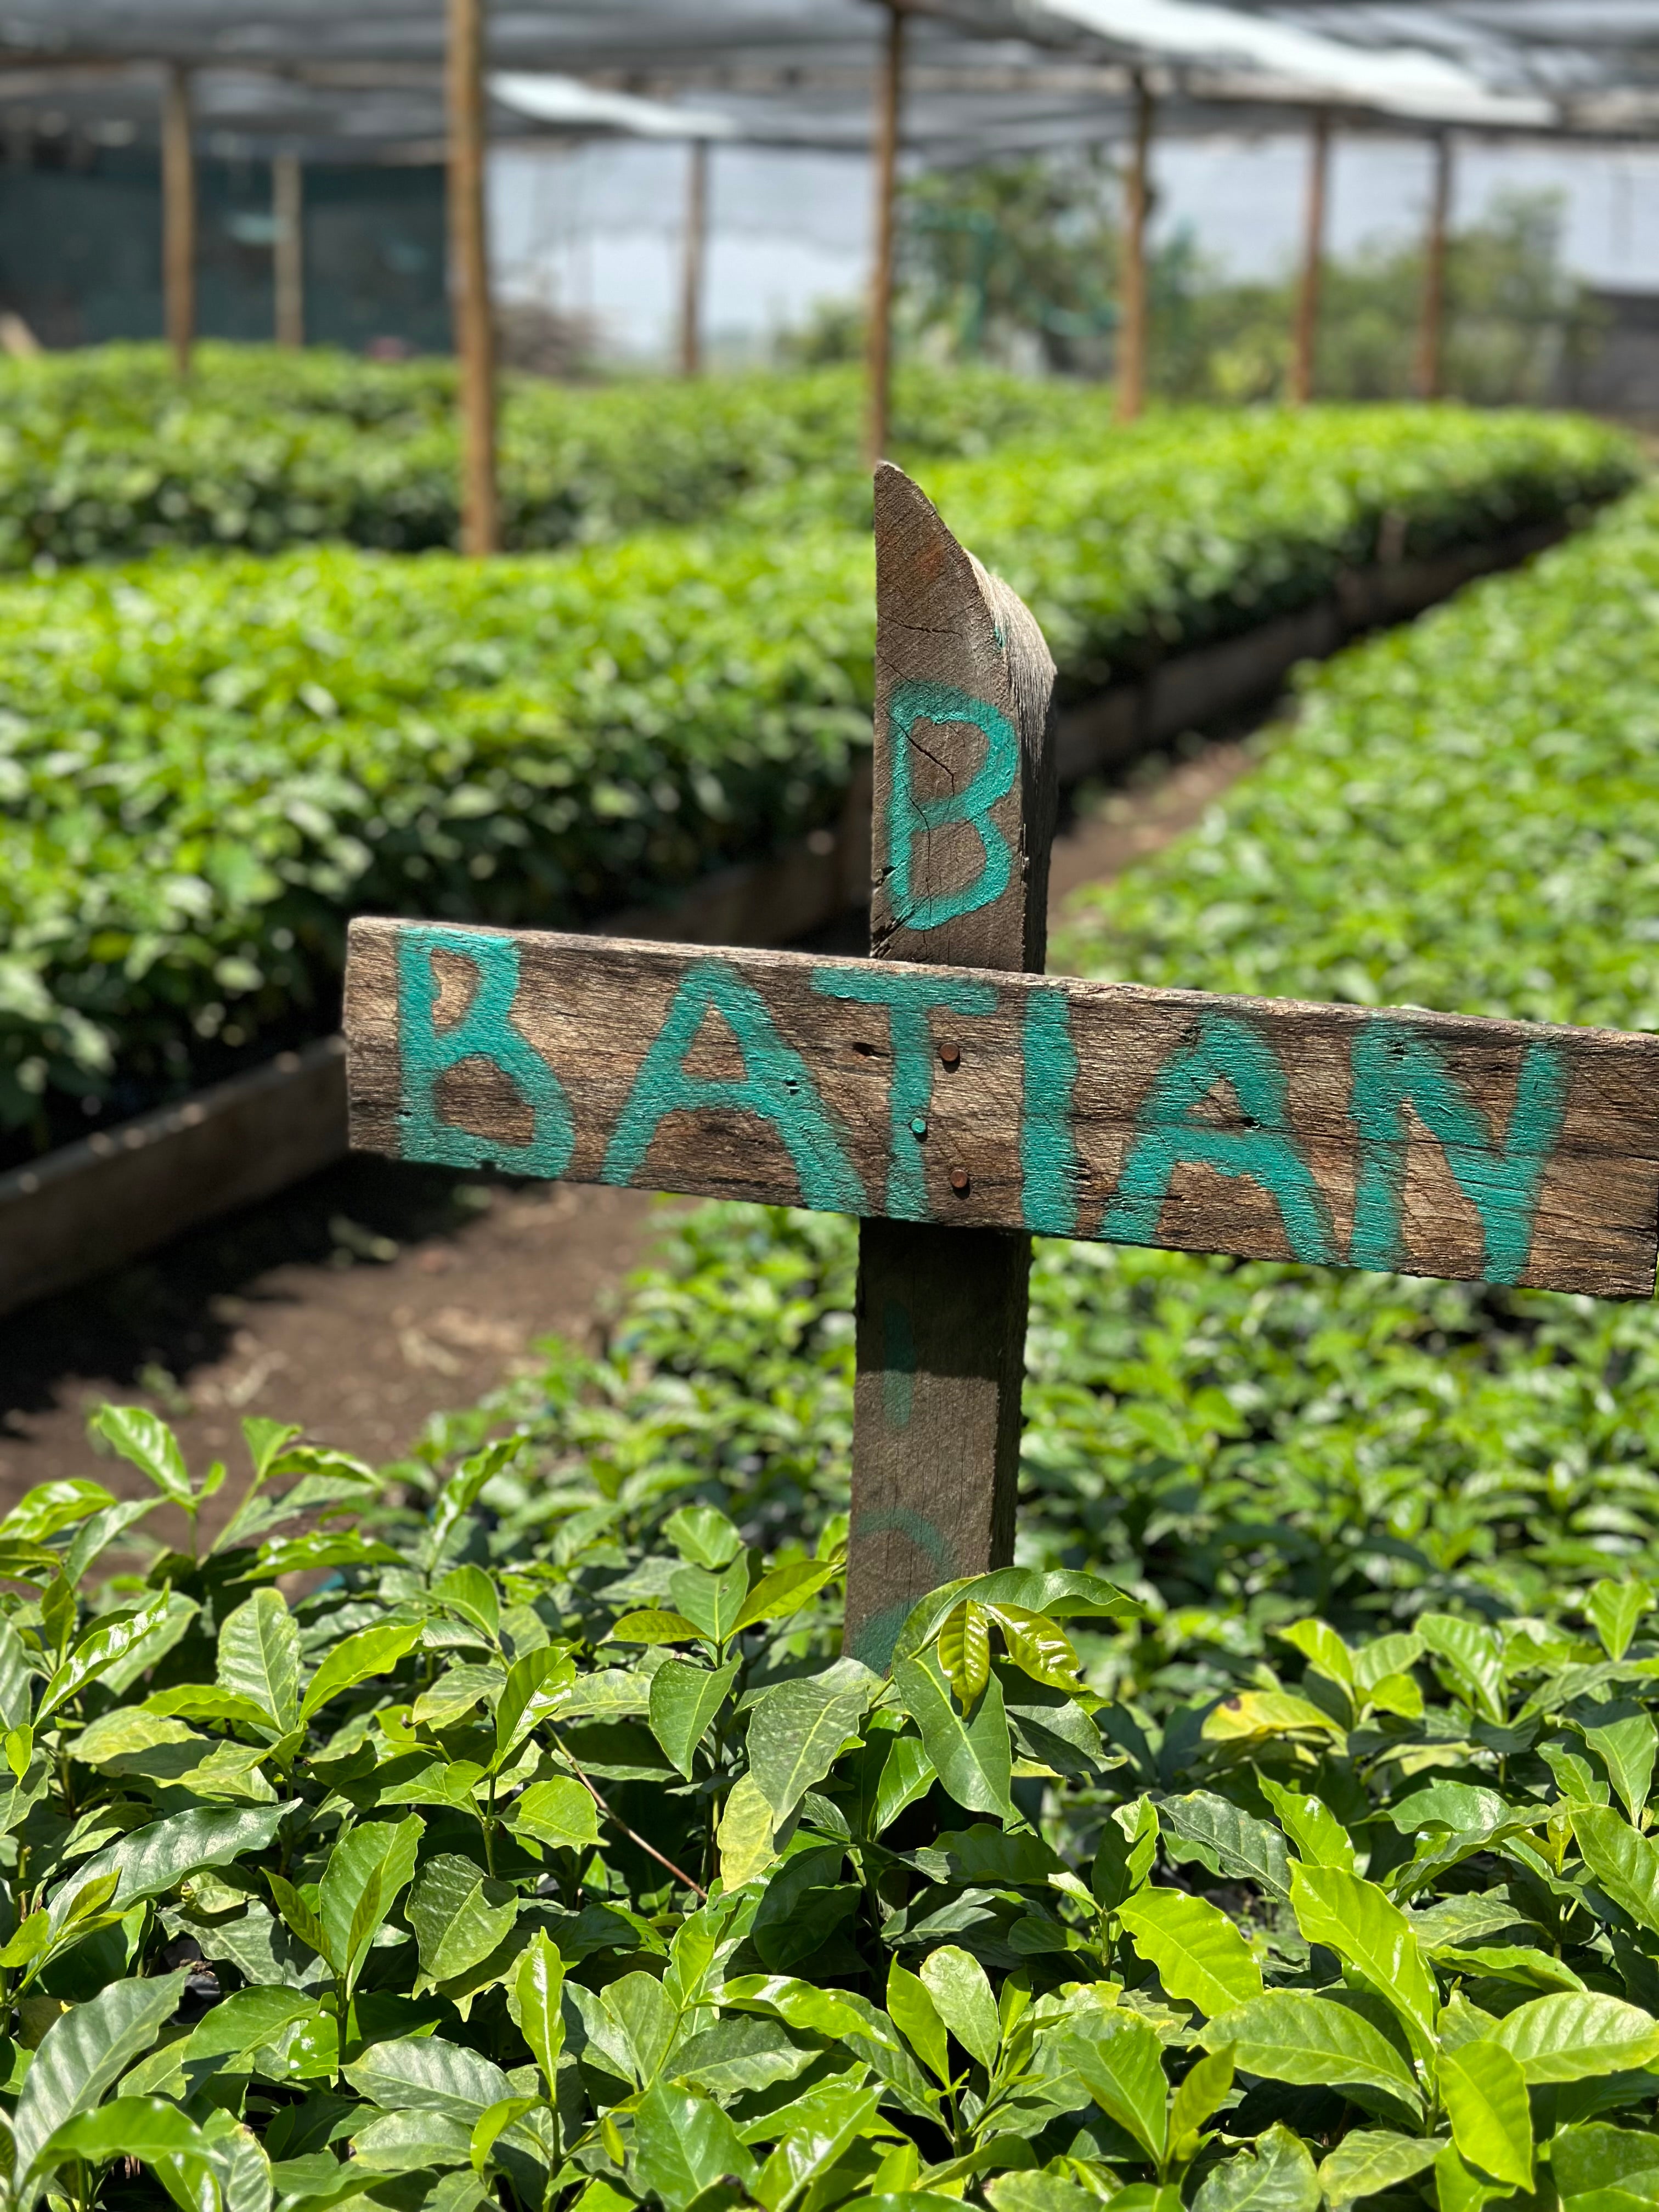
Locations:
(375, 1295)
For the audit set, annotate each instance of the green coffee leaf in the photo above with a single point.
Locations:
(470, 1592)
(961, 1997)
(1319, 1837)
(1200, 1956)
(246, 2020)
(1371, 2162)
(1203, 2089)
(80, 2056)
(912, 2012)
(147, 2128)
(1278, 2175)
(367, 1871)
(1484, 2093)
(711, 1603)
(560, 1813)
(816, 2144)
(1226, 1839)
(260, 1658)
(1039, 1647)
(1613, 1609)
(738, 2054)
(489, 2128)
(783, 1592)
(1369, 1932)
(684, 1700)
(425, 2073)
(534, 1688)
(533, 1991)
(964, 1650)
(1293, 2035)
(459, 1915)
(1470, 1659)
(1570, 2038)
(1124, 1855)
(359, 1658)
(745, 1833)
(683, 2144)
(795, 1731)
(145, 1441)
(1624, 1740)
(155, 1858)
(461, 1493)
(1119, 2060)
(702, 1535)
(300, 1914)
(969, 1753)
(101, 1649)
(1324, 1650)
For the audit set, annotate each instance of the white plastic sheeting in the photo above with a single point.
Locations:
(568, 101)
(1408, 80)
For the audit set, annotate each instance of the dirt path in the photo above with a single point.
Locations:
(373, 1296)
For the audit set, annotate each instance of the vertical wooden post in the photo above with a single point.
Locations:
(1430, 330)
(469, 245)
(697, 236)
(964, 805)
(1306, 340)
(890, 86)
(177, 218)
(288, 249)
(1132, 322)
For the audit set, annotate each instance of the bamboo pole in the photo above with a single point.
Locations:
(1431, 333)
(288, 248)
(890, 86)
(1131, 325)
(1313, 263)
(469, 247)
(177, 218)
(697, 236)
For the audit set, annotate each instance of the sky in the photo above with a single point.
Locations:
(596, 229)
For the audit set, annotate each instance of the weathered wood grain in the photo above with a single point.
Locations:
(964, 773)
(1431, 1143)
(963, 769)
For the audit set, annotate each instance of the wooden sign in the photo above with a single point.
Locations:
(1436, 1145)
(956, 1099)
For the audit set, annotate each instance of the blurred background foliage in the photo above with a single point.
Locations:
(1017, 264)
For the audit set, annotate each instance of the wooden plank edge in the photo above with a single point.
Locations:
(103, 1201)
(107, 1199)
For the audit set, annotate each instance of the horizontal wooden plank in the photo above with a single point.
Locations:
(1433, 1144)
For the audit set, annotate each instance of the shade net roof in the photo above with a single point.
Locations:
(984, 76)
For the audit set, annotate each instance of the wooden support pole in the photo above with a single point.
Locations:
(695, 246)
(1306, 340)
(890, 86)
(177, 218)
(1132, 323)
(1430, 333)
(469, 247)
(964, 807)
(289, 249)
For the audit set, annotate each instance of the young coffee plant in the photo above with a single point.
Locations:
(492, 1841)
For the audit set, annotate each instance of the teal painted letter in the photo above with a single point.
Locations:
(1170, 1133)
(1395, 1065)
(908, 1000)
(776, 1086)
(910, 818)
(1049, 1169)
(484, 1032)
